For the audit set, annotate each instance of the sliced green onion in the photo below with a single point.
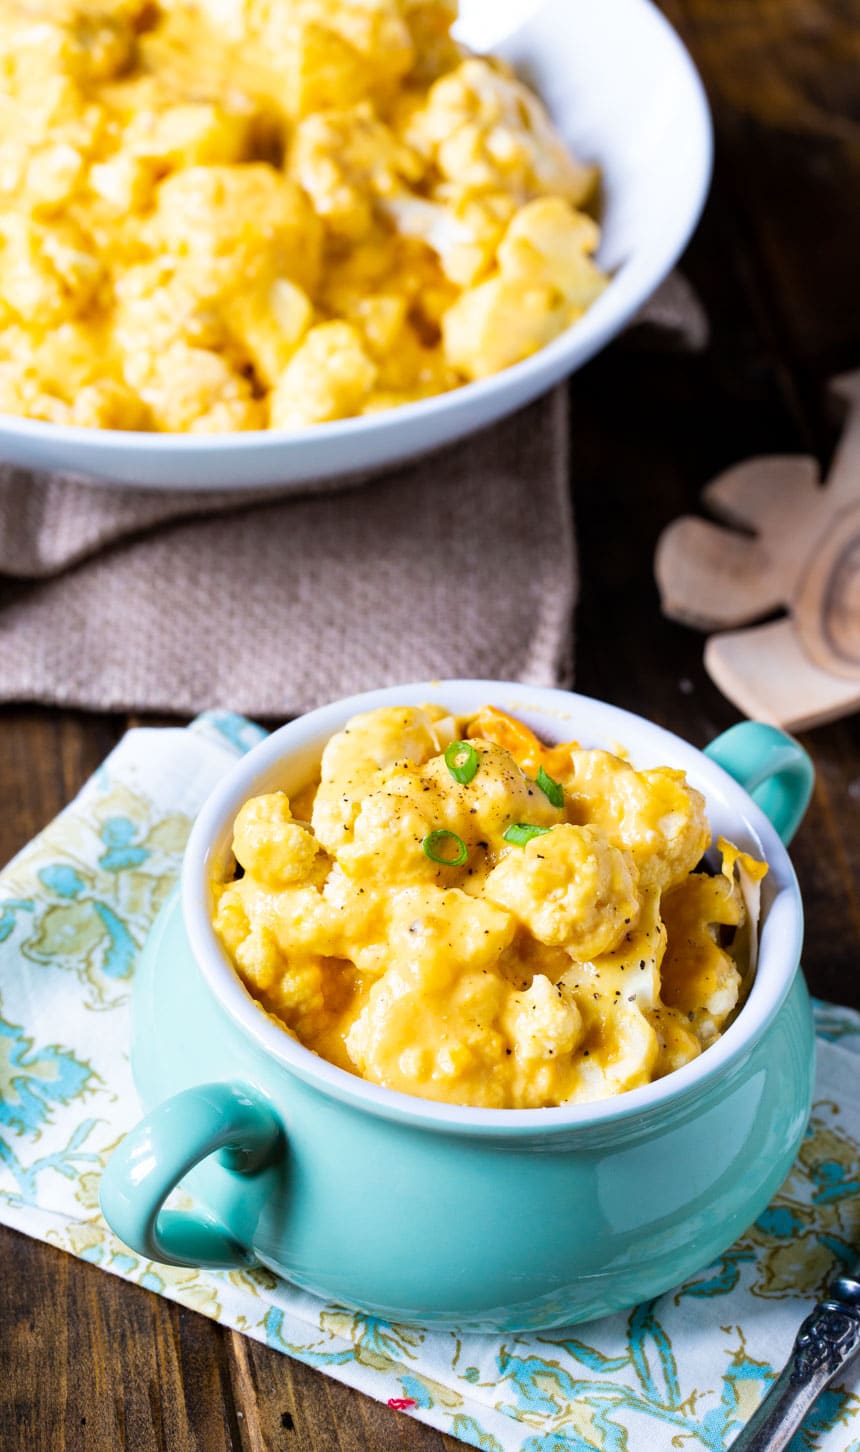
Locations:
(551, 789)
(436, 839)
(462, 760)
(522, 832)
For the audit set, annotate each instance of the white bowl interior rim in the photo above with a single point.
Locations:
(560, 713)
(632, 284)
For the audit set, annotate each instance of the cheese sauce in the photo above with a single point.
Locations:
(221, 215)
(459, 912)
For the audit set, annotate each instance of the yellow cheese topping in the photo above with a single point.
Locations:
(508, 926)
(236, 214)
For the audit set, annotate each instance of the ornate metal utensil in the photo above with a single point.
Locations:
(826, 1343)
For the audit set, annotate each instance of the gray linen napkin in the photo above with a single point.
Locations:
(460, 564)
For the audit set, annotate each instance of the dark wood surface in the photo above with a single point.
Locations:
(89, 1362)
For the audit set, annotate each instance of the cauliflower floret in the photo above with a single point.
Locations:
(320, 69)
(270, 844)
(360, 49)
(486, 131)
(421, 923)
(42, 374)
(290, 982)
(368, 744)
(296, 913)
(392, 823)
(571, 888)
(411, 368)
(623, 1051)
(448, 1042)
(496, 324)
(48, 136)
(158, 303)
(268, 323)
(656, 815)
(327, 54)
(376, 28)
(47, 273)
(67, 358)
(408, 803)
(463, 230)
(22, 392)
(543, 1021)
(260, 959)
(161, 303)
(124, 182)
(109, 404)
(162, 138)
(226, 235)
(381, 318)
(391, 266)
(547, 245)
(640, 947)
(369, 267)
(53, 174)
(236, 20)
(346, 160)
(192, 389)
(328, 377)
(430, 24)
(230, 918)
(700, 979)
(300, 993)
(249, 216)
(87, 40)
(196, 133)
(498, 795)
(544, 283)
(677, 1043)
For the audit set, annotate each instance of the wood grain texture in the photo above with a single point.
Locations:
(91, 1364)
(781, 540)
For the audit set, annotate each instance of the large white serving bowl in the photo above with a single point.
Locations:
(624, 94)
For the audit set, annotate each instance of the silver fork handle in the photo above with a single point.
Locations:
(825, 1345)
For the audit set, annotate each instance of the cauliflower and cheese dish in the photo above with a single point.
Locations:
(219, 215)
(460, 912)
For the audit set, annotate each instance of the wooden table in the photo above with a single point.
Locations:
(89, 1362)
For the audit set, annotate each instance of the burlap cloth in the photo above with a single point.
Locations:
(461, 564)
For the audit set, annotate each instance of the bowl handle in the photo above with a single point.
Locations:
(772, 767)
(162, 1148)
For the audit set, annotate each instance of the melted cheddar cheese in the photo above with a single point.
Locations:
(527, 932)
(221, 215)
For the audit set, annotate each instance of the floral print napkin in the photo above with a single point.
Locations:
(684, 1371)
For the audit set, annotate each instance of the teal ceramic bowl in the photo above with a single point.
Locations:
(470, 1218)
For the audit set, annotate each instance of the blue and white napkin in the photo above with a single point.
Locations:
(684, 1371)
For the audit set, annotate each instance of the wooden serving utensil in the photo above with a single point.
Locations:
(786, 542)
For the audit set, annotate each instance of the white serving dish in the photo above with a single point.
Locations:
(624, 94)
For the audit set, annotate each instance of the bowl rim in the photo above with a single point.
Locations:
(780, 942)
(629, 288)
